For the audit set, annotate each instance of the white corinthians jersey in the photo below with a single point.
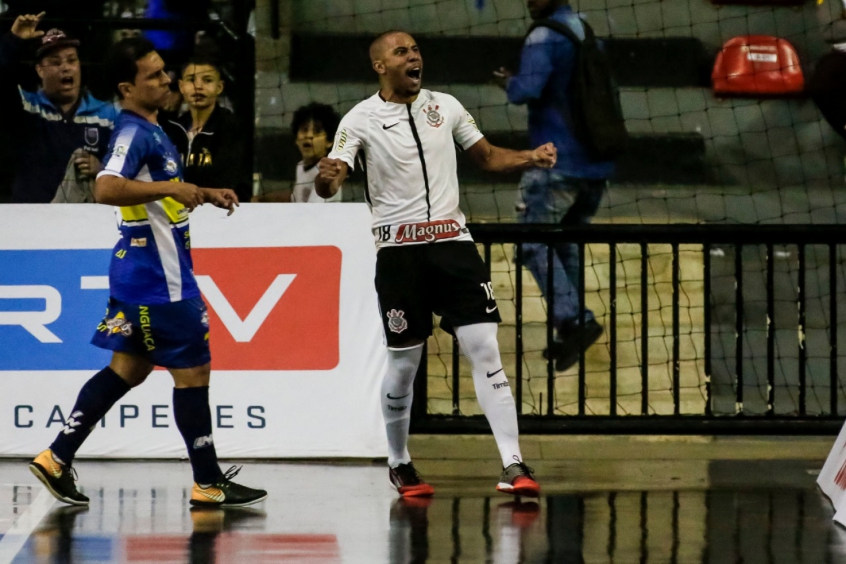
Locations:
(408, 152)
(304, 192)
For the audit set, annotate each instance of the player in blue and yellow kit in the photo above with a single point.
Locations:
(155, 315)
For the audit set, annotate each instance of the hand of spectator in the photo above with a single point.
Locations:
(545, 156)
(223, 198)
(88, 164)
(189, 195)
(24, 26)
(329, 169)
(501, 76)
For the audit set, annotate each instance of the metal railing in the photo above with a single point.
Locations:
(710, 238)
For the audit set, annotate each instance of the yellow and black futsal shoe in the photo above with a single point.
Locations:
(57, 478)
(226, 493)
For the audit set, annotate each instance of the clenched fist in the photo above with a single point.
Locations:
(545, 156)
(329, 169)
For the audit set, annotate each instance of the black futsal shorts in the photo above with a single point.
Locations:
(415, 281)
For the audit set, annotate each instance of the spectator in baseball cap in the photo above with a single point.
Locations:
(58, 130)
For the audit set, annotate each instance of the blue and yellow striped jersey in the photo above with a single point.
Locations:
(152, 260)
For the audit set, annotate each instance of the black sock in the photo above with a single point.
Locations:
(193, 418)
(96, 397)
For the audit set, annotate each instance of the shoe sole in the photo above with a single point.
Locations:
(38, 473)
(224, 505)
(421, 492)
(519, 491)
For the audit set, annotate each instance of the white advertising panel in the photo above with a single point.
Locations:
(297, 345)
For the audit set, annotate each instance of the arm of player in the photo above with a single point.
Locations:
(331, 174)
(118, 191)
(496, 159)
(223, 198)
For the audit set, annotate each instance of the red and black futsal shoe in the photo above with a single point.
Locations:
(407, 481)
(518, 479)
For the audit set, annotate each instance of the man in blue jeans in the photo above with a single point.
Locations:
(570, 192)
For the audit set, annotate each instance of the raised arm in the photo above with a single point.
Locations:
(496, 159)
(331, 174)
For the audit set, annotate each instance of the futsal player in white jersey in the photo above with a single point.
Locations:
(405, 138)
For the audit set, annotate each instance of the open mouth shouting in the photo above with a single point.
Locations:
(415, 73)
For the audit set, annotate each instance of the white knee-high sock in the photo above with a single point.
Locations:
(397, 393)
(478, 343)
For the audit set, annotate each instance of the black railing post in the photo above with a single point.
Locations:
(275, 19)
(676, 338)
(550, 322)
(709, 237)
(802, 291)
(518, 315)
(738, 326)
(582, 351)
(612, 326)
(419, 403)
(706, 291)
(832, 289)
(770, 330)
(644, 329)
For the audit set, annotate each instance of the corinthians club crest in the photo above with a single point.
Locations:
(396, 321)
(433, 116)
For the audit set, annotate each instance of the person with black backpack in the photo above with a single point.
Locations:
(566, 82)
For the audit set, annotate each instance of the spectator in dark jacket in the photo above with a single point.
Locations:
(208, 136)
(57, 123)
(570, 192)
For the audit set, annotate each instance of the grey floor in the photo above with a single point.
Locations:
(737, 511)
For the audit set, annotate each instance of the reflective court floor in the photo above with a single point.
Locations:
(736, 511)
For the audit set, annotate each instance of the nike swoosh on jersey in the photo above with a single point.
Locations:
(393, 398)
(387, 127)
(492, 374)
(490, 309)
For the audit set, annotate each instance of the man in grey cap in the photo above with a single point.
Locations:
(58, 131)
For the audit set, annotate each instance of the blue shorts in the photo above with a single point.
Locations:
(174, 335)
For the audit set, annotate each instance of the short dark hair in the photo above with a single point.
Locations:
(206, 58)
(122, 61)
(323, 114)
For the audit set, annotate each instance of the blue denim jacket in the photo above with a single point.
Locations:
(546, 67)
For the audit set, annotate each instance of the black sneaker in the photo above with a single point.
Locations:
(226, 493)
(407, 481)
(570, 342)
(60, 480)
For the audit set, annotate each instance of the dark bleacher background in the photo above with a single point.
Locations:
(663, 53)
(696, 158)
